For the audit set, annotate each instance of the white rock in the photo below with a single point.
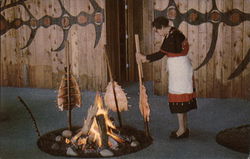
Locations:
(106, 153)
(58, 138)
(71, 152)
(67, 133)
(114, 143)
(134, 143)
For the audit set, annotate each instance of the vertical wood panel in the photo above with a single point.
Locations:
(237, 48)
(227, 54)
(131, 45)
(246, 47)
(193, 38)
(183, 7)
(2, 63)
(147, 37)
(210, 66)
(55, 40)
(160, 86)
(10, 53)
(218, 56)
(202, 50)
(75, 9)
(17, 64)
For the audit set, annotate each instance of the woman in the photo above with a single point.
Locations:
(181, 95)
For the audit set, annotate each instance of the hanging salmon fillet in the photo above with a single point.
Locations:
(143, 97)
(115, 98)
(143, 103)
(74, 92)
(69, 94)
(109, 97)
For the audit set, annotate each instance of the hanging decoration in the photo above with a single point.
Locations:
(64, 21)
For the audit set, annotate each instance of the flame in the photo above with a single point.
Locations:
(117, 138)
(102, 110)
(94, 133)
(74, 138)
(108, 122)
(82, 141)
(67, 141)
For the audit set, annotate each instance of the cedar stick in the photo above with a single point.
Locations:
(113, 86)
(31, 115)
(140, 72)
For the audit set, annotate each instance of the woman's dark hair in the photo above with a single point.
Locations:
(160, 22)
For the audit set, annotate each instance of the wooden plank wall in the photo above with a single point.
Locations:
(147, 38)
(38, 66)
(231, 48)
(113, 38)
(159, 67)
(134, 26)
(246, 42)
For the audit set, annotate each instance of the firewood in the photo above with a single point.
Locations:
(90, 117)
(87, 123)
(103, 130)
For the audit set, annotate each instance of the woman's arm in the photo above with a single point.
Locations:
(155, 56)
(149, 58)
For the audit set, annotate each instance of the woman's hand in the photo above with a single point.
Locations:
(140, 58)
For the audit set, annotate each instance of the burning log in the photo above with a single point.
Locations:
(92, 126)
(143, 98)
(103, 130)
(97, 128)
(90, 118)
(87, 123)
(119, 138)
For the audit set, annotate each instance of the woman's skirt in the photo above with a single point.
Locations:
(181, 92)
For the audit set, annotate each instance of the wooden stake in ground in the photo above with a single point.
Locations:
(143, 97)
(31, 115)
(69, 94)
(115, 98)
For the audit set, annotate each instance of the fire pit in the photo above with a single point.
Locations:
(99, 137)
(131, 140)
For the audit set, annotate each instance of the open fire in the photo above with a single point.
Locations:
(97, 131)
(98, 137)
